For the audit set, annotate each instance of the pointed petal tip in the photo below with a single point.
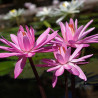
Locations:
(31, 28)
(60, 23)
(26, 26)
(71, 19)
(92, 20)
(92, 54)
(20, 26)
(85, 79)
(56, 31)
(47, 70)
(53, 85)
(76, 19)
(93, 28)
(15, 76)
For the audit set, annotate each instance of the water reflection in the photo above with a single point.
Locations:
(27, 88)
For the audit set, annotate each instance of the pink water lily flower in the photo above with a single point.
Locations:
(23, 45)
(74, 36)
(66, 61)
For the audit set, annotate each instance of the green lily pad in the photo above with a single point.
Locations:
(5, 67)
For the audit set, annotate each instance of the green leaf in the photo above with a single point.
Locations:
(5, 67)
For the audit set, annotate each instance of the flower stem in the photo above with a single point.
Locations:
(66, 84)
(73, 81)
(37, 78)
(73, 86)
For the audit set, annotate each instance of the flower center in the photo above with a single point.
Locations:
(72, 28)
(64, 4)
(23, 33)
(13, 11)
(61, 50)
(64, 50)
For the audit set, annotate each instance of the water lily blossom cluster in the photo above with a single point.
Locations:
(73, 38)
(66, 8)
(66, 49)
(61, 10)
(24, 45)
(14, 13)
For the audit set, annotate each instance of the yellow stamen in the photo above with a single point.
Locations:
(64, 4)
(13, 11)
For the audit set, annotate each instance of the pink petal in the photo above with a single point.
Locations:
(77, 33)
(84, 57)
(58, 38)
(92, 41)
(3, 41)
(86, 26)
(6, 48)
(67, 66)
(54, 80)
(46, 49)
(19, 66)
(90, 37)
(21, 29)
(71, 22)
(49, 61)
(53, 68)
(60, 58)
(42, 36)
(72, 42)
(26, 43)
(62, 51)
(82, 63)
(10, 44)
(32, 35)
(69, 35)
(14, 38)
(49, 38)
(20, 40)
(76, 52)
(27, 29)
(59, 71)
(41, 43)
(44, 65)
(77, 60)
(73, 70)
(5, 55)
(67, 54)
(63, 31)
(84, 45)
(86, 32)
(81, 75)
